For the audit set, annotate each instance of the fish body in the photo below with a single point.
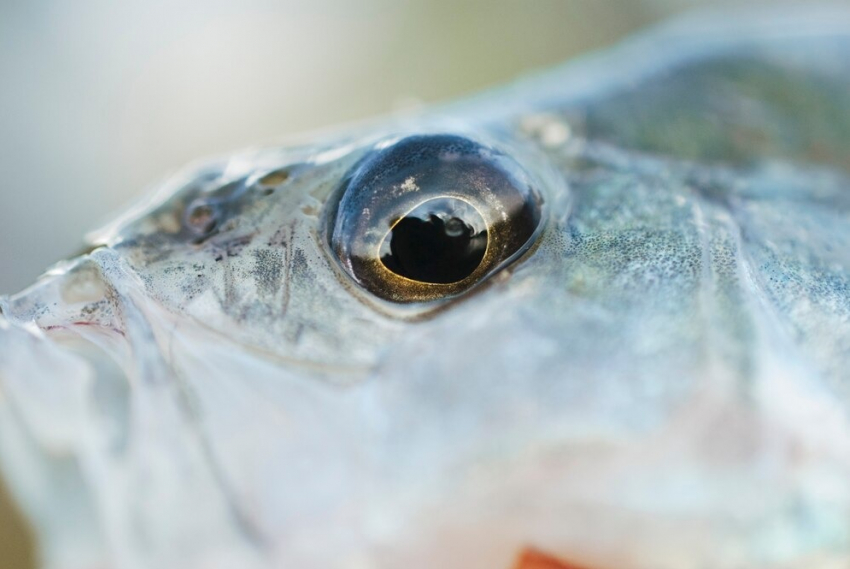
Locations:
(657, 379)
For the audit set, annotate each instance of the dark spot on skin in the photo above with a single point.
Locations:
(174, 269)
(299, 264)
(268, 270)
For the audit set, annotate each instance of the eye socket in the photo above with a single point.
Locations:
(430, 217)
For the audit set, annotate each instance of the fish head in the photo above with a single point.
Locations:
(627, 361)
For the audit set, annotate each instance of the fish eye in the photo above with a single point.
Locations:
(431, 216)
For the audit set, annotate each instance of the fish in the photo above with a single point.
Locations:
(596, 319)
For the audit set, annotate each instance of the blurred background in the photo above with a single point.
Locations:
(99, 99)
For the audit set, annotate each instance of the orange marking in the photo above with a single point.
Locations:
(533, 559)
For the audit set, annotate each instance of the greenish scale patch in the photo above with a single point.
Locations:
(740, 110)
(643, 227)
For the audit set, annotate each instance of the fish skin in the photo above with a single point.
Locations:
(660, 382)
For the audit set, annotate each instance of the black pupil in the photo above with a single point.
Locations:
(441, 242)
